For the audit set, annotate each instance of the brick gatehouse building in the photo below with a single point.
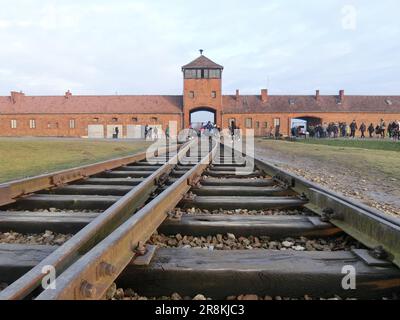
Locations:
(97, 116)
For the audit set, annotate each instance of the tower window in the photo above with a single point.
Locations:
(213, 94)
(191, 94)
(190, 74)
(215, 73)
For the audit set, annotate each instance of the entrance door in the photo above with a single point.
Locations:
(201, 117)
(96, 131)
(134, 131)
(111, 130)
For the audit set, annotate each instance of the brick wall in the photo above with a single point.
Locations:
(59, 125)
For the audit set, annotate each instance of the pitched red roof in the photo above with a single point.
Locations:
(202, 62)
(92, 104)
(276, 104)
(173, 104)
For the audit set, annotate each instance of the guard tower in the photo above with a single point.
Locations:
(202, 88)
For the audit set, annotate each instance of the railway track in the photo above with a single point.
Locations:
(200, 225)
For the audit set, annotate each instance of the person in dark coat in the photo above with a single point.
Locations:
(353, 128)
(116, 132)
(277, 133)
(363, 128)
(343, 129)
(371, 130)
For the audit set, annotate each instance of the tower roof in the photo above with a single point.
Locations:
(202, 62)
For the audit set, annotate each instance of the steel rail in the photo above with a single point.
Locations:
(10, 191)
(368, 225)
(92, 275)
(95, 231)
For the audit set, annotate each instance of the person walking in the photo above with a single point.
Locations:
(371, 130)
(363, 128)
(335, 130)
(343, 130)
(156, 133)
(277, 134)
(167, 132)
(382, 128)
(146, 131)
(116, 130)
(353, 128)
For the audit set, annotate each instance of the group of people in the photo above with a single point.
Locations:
(342, 129)
(206, 129)
(151, 133)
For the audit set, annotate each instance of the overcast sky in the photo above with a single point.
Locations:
(138, 47)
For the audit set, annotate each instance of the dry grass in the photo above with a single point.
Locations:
(369, 175)
(26, 157)
(369, 161)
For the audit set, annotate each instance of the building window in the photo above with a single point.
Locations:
(114, 119)
(249, 123)
(265, 124)
(257, 124)
(13, 124)
(52, 125)
(213, 94)
(191, 94)
(198, 73)
(32, 124)
(72, 123)
(154, 119)
(230, 121)
(277, 122)
(134, 119)
(95, 119)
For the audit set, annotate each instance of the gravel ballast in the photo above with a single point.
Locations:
(269, 212)
(45, 238)
(231, 242)
(129, 294)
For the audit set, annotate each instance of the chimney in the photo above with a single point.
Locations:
(317, 95)
(341, 95)
(264, 95)
(68, 94)
(16, 96)
(237, 94)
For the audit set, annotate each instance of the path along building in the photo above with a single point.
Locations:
(98, 116)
